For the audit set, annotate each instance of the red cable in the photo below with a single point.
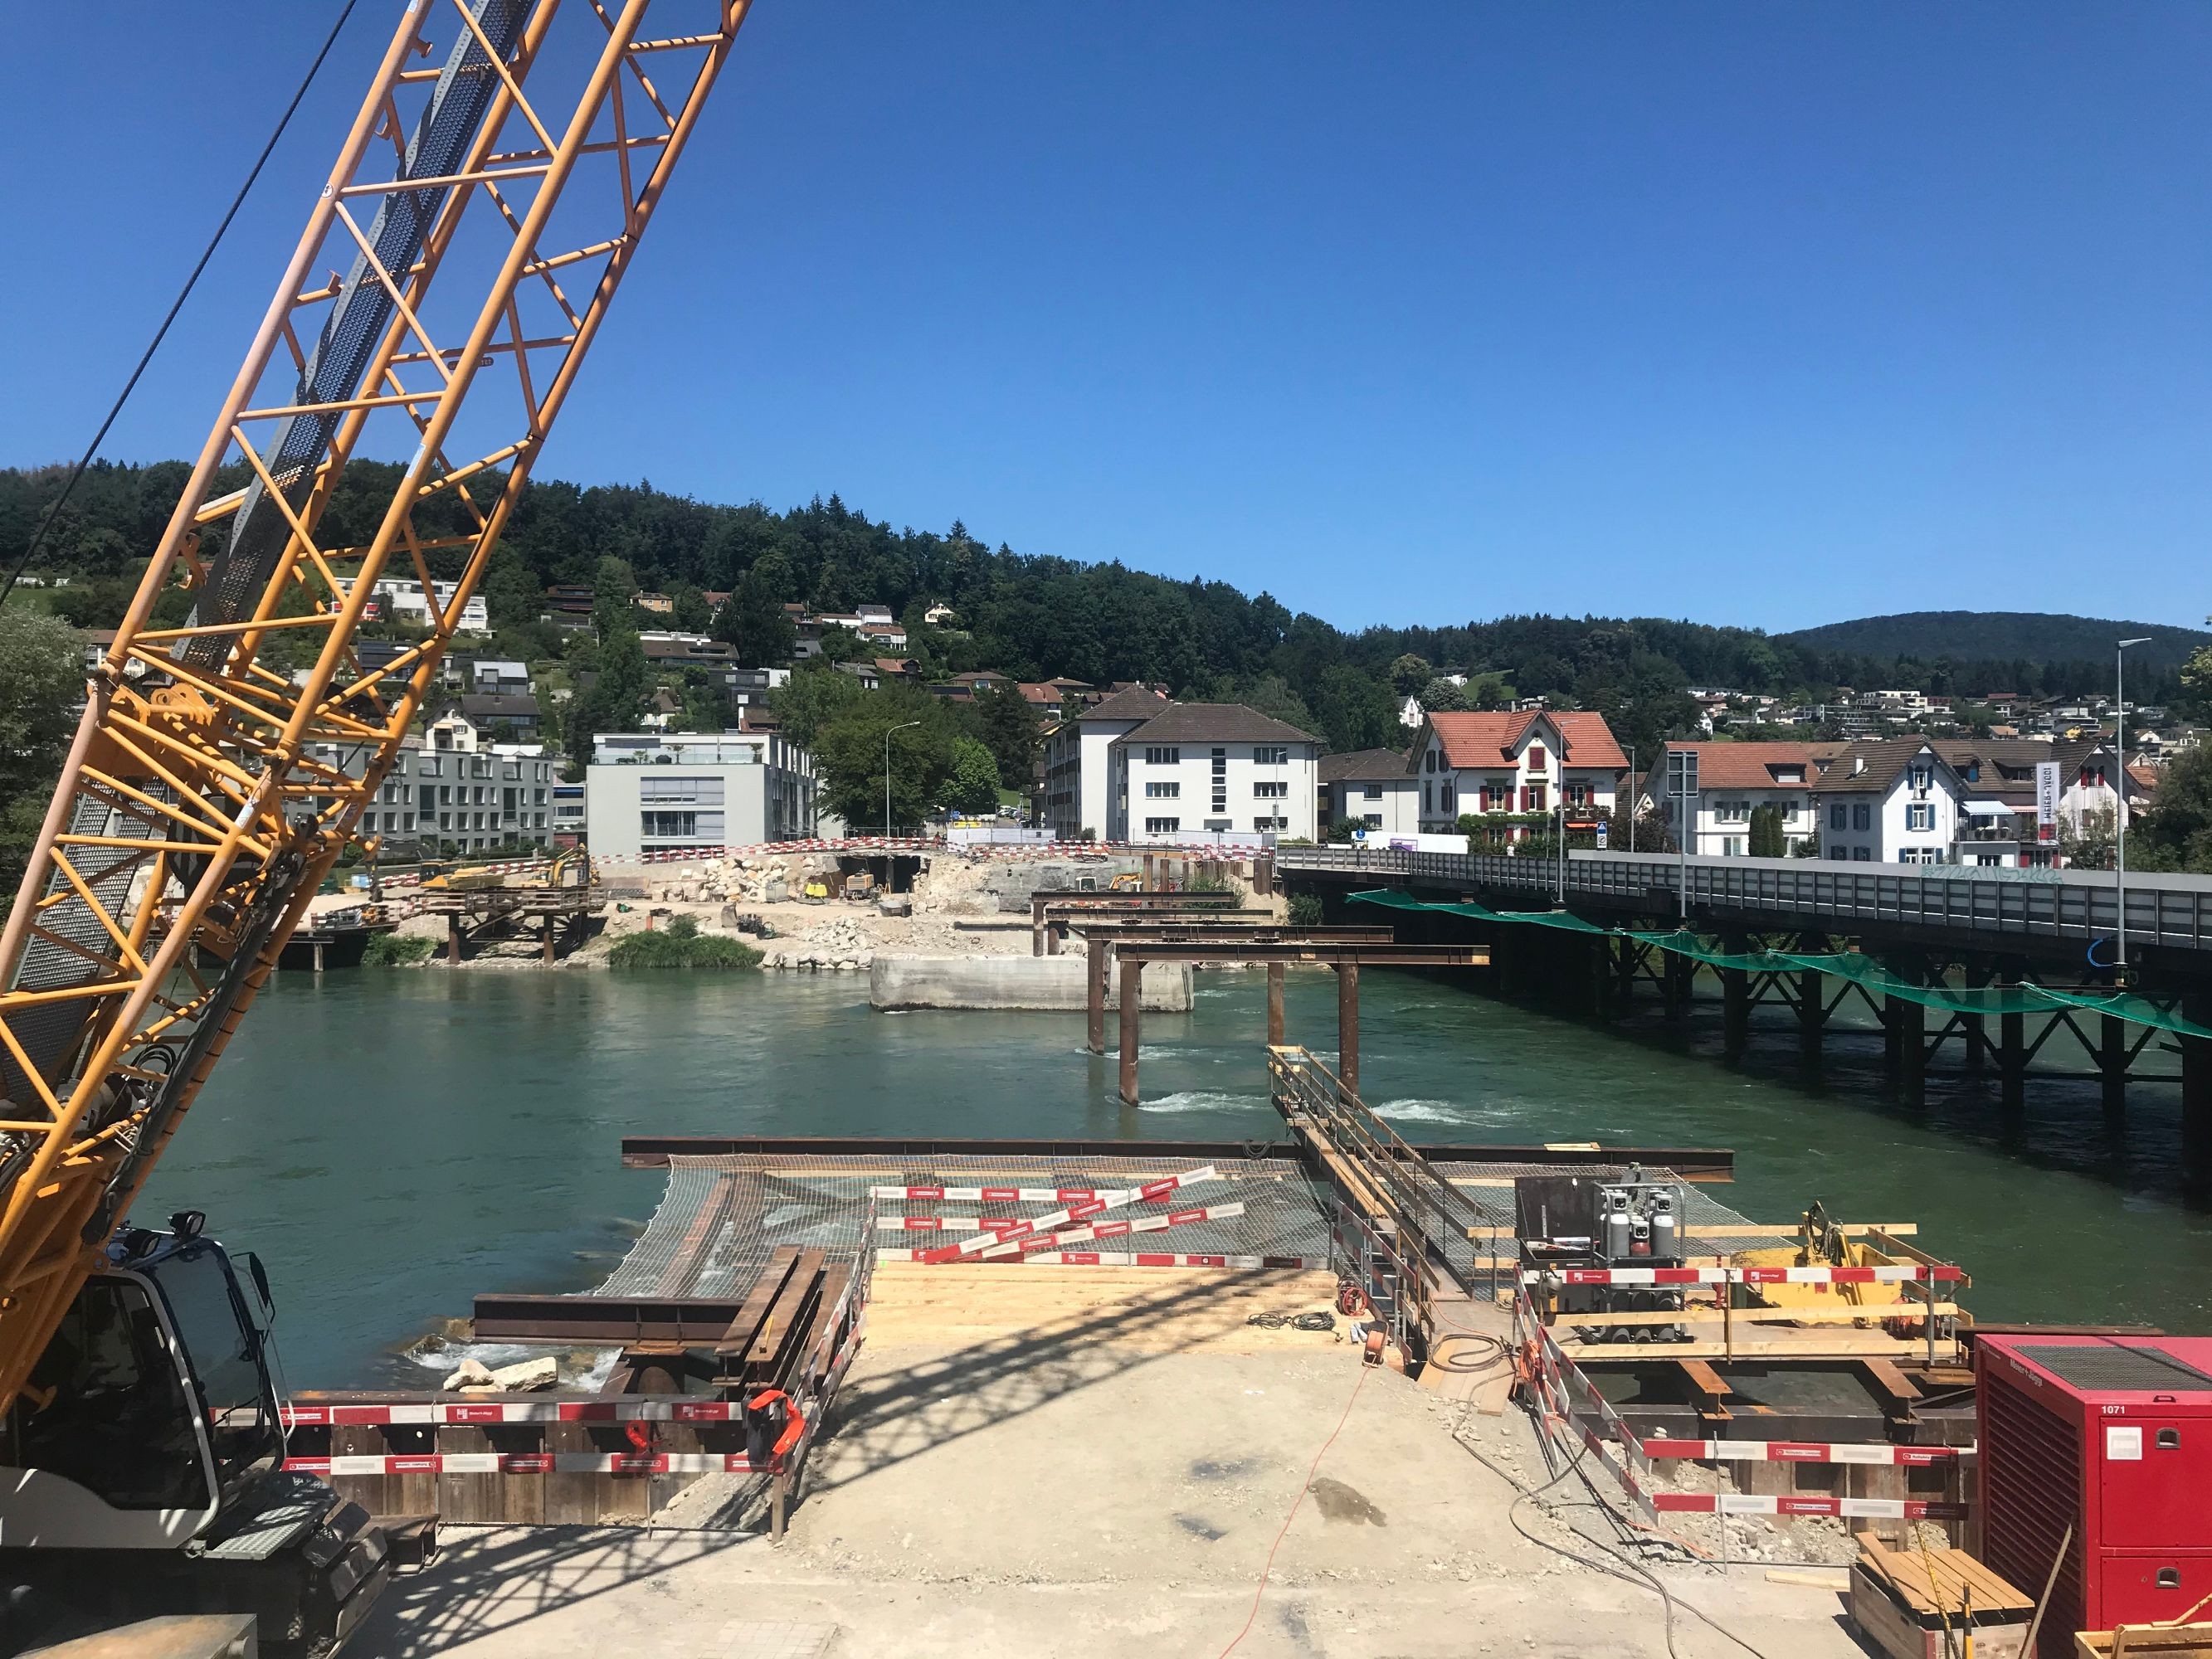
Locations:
(1264, 1572)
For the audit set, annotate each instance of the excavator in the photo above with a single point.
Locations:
(456, 265)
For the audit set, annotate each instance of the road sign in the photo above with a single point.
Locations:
(1682, 771)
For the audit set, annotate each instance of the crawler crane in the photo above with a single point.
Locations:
(486, 202)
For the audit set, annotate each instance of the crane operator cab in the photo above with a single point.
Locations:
(145, 1461)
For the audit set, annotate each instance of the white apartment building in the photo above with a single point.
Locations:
(1199, 768)
(1892, 801)
(1516, 761)
(659, 792)
(1734, 779)
(1076, 764)
(402, 601)
(1372, 788)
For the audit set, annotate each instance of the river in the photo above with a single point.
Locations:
(393, 1142)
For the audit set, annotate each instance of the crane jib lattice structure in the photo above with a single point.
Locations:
(488, 199)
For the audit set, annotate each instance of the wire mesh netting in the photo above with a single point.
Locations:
(722, 1217)
(1861, 970)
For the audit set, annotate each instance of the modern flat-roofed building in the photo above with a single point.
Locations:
(665, 792)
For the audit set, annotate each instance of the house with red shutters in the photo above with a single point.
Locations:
(1514, 760)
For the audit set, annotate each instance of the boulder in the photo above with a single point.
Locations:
(470, 1374)
(528, 1375)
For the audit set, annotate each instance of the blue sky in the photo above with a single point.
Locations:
(1758, 315)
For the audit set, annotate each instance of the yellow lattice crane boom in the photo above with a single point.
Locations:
(455, 266)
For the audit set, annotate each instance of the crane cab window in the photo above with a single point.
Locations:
(118, 1423)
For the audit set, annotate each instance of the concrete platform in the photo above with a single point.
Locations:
(1098, 1461)
(1054, 983)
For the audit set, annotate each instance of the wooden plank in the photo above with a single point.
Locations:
(759, 1300)
(784, 1312)
(1811, 1345)
(1759, 1318)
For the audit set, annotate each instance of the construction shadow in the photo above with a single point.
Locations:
(887, 1416)
(494, 1581)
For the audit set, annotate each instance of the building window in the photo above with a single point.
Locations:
(1861, 815)
(1271, 791)
(1271, 757)
(1263, 821)
(1372, 792)
(1923, 778)
(1536, 798)
(1372, 820)
(1535, 758)
(1221, 781)
(1838, 855)
(1162, 792)
(1451, 797)
(1838, 816)
(1428, 803)
(1863, 854)
(1163, 756)
(1921, 815)
(1578, 794)
(1162, 826)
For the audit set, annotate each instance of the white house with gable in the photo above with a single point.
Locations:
(1889, 801)
(1514, 760)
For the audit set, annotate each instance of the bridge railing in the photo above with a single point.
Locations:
(2162, 909)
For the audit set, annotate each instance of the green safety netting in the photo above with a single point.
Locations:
(1861, 970)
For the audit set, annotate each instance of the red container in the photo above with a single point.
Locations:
(2113, 1434)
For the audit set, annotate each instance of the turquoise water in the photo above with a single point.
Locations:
(394, 1142)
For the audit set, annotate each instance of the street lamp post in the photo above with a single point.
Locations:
(887, 796)
(2120, 798)
(1632, 797)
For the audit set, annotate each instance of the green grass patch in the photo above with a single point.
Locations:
(398, 950)
(681, 945)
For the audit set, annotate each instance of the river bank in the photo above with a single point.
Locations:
(956, 907)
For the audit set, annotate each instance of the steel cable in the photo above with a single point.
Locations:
(68, 484)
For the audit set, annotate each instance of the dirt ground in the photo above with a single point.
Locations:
(1021, 1467)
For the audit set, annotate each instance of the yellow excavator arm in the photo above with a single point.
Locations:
(487, 201)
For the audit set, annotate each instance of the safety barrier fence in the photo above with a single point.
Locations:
(1557, 1383)
(639, 1421)
(2174, 910)
(1858, 968)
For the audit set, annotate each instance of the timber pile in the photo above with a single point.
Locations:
(1922, 1603)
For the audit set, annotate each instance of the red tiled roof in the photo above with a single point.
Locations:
(1754, 765)
(1478, 739)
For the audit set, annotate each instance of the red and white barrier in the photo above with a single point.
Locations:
(1111, 1230)
(527, 1463)
(434, 1413)
(1795, 1451)
(1624, 1453)
(1078, 1212)
(1887, 1275)
(997, 1195)
(1114, 1259)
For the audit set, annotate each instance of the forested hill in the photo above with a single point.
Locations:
(1035, 616)
(2029, 635)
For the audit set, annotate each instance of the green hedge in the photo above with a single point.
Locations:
(398, 950)
(681, 945)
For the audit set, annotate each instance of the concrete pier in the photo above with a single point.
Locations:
(1056, 983)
